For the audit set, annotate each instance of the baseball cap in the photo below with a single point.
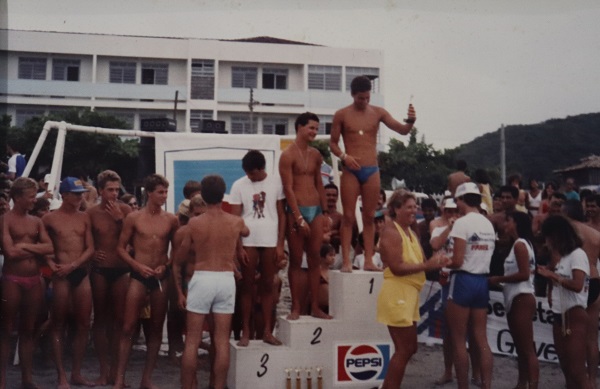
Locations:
(72, 184)
(449, 204)
(466, 188)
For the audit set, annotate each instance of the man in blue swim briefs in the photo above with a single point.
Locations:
(300, 171)
(358, 124)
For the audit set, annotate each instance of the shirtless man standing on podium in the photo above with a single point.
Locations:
(358, 123)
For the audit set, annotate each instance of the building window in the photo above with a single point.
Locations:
(371, 73)
(32, 68)
(243, 77)
(241, 125)
(203, 80)
(325, 77)
(325, 125)
(274, 78)
(24, 114)
(65, 69)
(197, 118)
(122, 72)
(155, 73)
(276, 126)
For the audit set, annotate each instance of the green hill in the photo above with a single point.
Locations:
(538, 149)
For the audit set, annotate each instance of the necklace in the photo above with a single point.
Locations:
(304, 157)
(361, 132)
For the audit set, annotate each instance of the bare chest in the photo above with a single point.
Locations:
(27, 231)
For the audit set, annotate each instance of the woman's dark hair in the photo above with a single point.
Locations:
(523, 224)
(562, 234)
(553, 185)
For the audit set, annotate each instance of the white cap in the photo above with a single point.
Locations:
(449, 204)
(484, 207)
(466, 188)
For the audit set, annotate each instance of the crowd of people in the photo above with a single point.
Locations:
(97, 261)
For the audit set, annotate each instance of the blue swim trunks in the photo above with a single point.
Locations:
(363, 174)
(310, 213)
(469, 290)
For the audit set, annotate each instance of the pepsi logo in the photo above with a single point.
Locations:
(362, 362)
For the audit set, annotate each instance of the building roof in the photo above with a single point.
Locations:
(269, 39)
(257, 39)
(591, 162)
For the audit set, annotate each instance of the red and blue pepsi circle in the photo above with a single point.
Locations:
(362, 362)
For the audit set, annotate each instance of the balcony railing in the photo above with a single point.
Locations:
(308, 99)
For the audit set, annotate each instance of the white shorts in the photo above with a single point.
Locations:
(211, 291)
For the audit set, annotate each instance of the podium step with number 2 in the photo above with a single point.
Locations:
(310, 343)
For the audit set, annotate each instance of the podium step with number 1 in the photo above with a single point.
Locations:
(310, 342)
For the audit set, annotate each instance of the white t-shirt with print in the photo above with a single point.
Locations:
(259, 208)
(562, 298)
(479, 234)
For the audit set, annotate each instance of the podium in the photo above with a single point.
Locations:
(352, 349)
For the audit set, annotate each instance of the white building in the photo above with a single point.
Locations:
(134, 78)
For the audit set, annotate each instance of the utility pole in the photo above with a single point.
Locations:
(502, 154)
(251, 105)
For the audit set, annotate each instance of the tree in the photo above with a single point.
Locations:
(418, 163)
(90, 152)
(323, 147)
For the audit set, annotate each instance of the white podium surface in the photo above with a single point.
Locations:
(352, 349)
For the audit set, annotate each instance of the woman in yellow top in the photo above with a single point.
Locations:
(403, 278)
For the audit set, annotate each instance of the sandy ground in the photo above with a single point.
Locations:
(424, 368)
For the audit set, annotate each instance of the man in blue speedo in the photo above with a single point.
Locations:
(358, 124)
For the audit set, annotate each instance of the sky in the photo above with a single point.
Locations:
(470, 65)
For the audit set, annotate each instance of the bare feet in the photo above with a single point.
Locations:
(320, 314)
(346, 268)
(293, 316)
(244, 341)
(80, 381)
(102, 380)
(270, 339)
(64, 385)
(370, 266)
